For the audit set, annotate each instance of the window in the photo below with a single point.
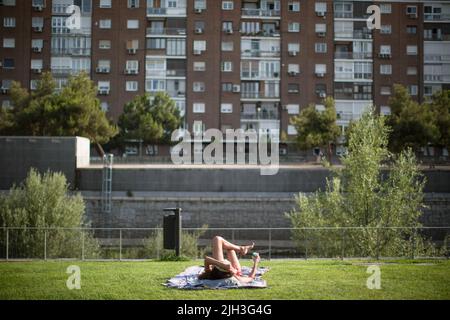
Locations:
(104, 64)
(413, 90)
(385, 49)
(6, 104)
(411, 50)
(9, 3)
(105, 4)
(227, 87)
(293, 109)
(176, 47)
(37, 22)
(198, 128)
(131, 86)
(411, 29)
(37, 43)
(199, 45)
(227, 46)
(411, 71)
(292, 131)
(155, 85)
(385, 91)
(200, 4)
(105, 24)
(294, 27)
(103, 85)
(385, 69)
(104, 44)
(9, 43)
(321, 68)
(321, 7)
(321, 47)
(227, 66)
(132, 65)
(132, 44)
(199, 66)
(105, 106)
(411, 10)
(226, 108)
(385, 110)
(321, 28)
(133, 24)
(8, 63)
(293, 88)
(294, 6)
(9, 22)
(227, 5)
(156, 44)
(199, 108)
(199, 86)
(386, 8)
(227, 26)
(133, 4)
(386, 29)
(37, 64)
(294, 68)
(294, 47)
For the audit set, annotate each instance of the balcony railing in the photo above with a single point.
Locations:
(60, 9)
(178, 11)
(436, 17)
(258, 75)
(260, 54)
(349, 15)
(437, 57)
(260, 13)
(357, 34)
(437, 77)
(259, 95)
(353, 76)
(353, 55)
(72, 51)
(442, 37)
(176, 73)
(353, 96)
(262, 33)
(263, 115)
(166, 31)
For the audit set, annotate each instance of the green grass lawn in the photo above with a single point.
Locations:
(315, 279)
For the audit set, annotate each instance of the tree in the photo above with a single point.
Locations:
(150, 119)
(43, 201)
(74, 111)
(359, 195)
(440, 106)
(317, 128)
(413, 125)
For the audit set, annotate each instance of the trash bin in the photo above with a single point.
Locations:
(172, 230)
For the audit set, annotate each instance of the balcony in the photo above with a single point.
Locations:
(176, 73)
(166, 12)
(349, 15)
(249, 95)
(345, 116)
(166, 31)
(260, 13)
(60, 9)
(437, 78)
(63, 71)
(435, 37)
(260, 54)
(431, 17)
(353, 55)
(352, 96)
(437, 58)
(262, 33)
(261, 115)
(71, 52)
(356, 34)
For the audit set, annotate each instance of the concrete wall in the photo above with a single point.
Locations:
(171, 179)
(19, 154)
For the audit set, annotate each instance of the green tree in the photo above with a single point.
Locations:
(317, 128)
(43, 201)
(440, 106)
(360, 196)
(151, 119)
(413, 125)
(74, 111)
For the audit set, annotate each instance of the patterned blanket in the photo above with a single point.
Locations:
(188, 280)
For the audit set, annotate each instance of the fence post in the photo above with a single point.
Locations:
(343, 243)
(232, 235)
(306, 245)
(82, 245)
(270, 244)
(45, 245)
(120, 245)
(413, 245)
(7, 243)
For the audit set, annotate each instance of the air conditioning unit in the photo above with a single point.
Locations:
(322, 94)
(198, 30)
(38, 8)
(131, 71)
(38, 29)
(384, 55)
(198, 10)
(320, 74)
(37, 49)
(293, 73)
(293, 53)
(293, 91)
(103, 92)
(321, 34)
(320, 13)
(197, 52)
(236, 88)
(229, 31)
(132, 50)
(37, 70)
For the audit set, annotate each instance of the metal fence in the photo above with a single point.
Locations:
(146, 243)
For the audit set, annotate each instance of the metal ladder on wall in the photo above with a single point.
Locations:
(107, 183)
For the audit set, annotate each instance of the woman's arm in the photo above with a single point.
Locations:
(252, 276)
(222, 265)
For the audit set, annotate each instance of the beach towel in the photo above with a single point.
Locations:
(188, 280)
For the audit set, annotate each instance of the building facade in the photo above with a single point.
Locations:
(251, 64)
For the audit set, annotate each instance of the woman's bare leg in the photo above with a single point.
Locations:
(219, 244)
(232, 257)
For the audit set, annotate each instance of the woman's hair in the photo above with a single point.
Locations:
(215, 274)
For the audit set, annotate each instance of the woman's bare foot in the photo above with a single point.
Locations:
(245, 249)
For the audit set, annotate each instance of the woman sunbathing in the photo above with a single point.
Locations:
(217, 267)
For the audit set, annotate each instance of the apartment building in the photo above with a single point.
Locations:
(251, 64)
